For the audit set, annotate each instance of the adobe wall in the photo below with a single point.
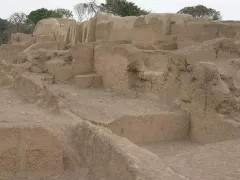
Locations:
(118, 65)
(148, 28)
(208, 90)
(154, 27)
(46, 26)
(9, 52)
(168, 73)
(74, 34)
(146, 128)
(111, 157)
(214, 108)
(52, 29)
(202, 30)
(29, 151)
(144, 28)
(212, 101)
(22, 39)
(83, 55)
(109, 28)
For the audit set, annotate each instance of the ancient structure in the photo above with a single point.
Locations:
(154, 97)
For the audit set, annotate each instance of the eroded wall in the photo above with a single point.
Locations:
(118, 65)
(203, 30)
(9, 52)
(203, 79)
(111, 157)
(207, 89)
(29, 151)
(111, 47)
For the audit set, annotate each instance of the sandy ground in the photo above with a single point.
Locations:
(218, 161)
(104, 107)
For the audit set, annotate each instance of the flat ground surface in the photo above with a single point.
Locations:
(218, 161)
(172, 148)
(104, 107)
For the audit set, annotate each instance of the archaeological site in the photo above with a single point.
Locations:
(153, 97)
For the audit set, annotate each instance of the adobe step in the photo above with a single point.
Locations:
(88, 81)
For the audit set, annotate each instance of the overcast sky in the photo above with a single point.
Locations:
(230, 9)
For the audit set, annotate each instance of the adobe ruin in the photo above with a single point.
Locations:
(132, 98)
